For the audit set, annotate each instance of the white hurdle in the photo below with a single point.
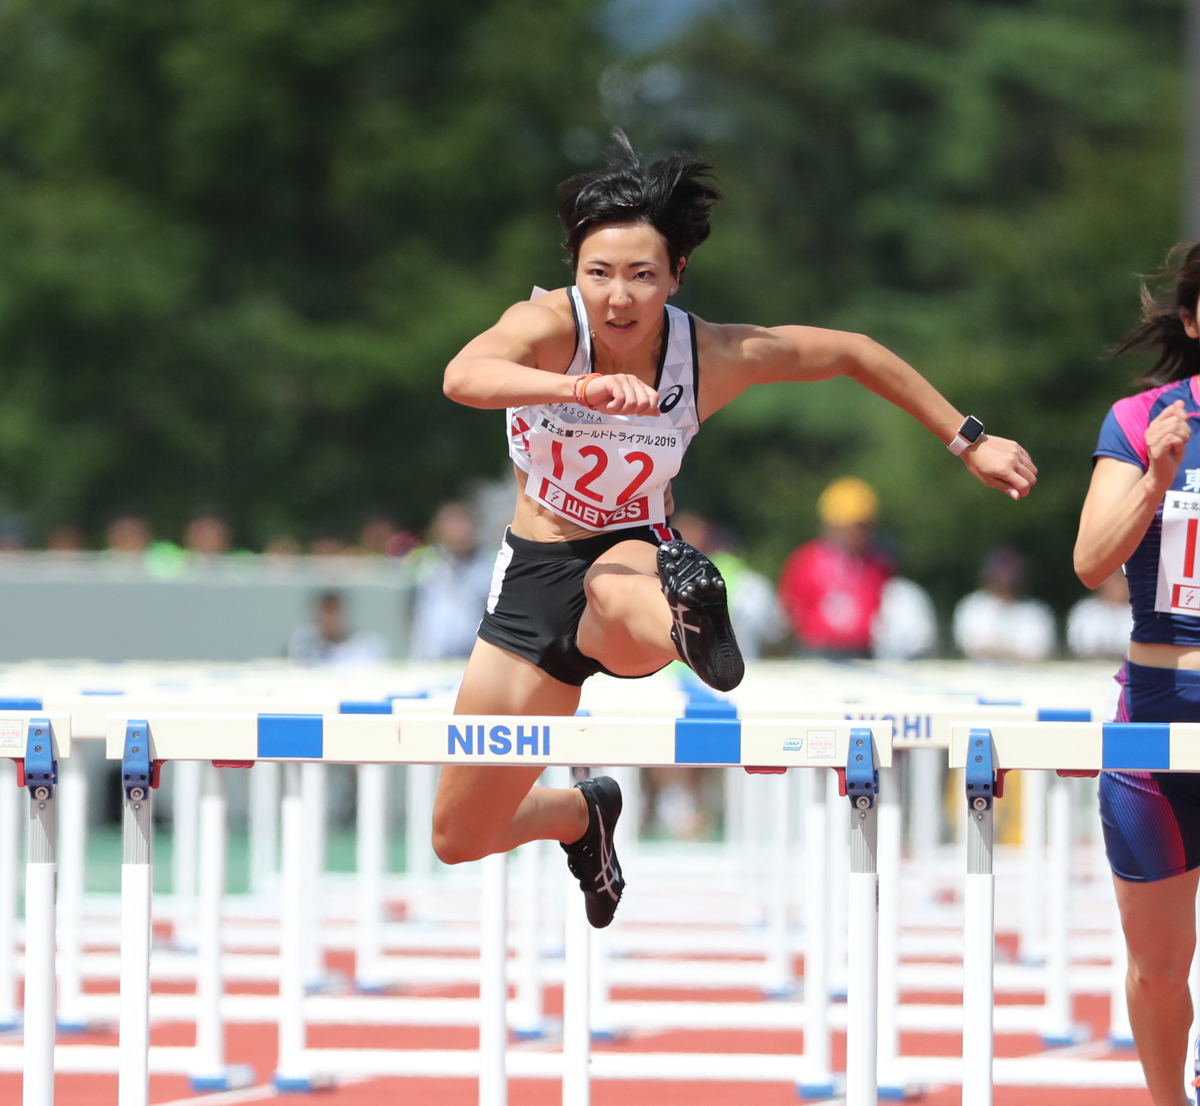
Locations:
(313, 739)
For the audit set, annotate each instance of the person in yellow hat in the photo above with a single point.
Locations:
(831, 586)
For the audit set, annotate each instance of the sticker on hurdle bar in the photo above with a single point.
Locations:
(506, 739)
(14, 731)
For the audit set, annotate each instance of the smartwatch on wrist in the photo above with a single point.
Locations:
(968, 434)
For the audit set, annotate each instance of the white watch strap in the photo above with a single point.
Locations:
(959, 445)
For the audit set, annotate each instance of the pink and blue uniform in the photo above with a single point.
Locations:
(1152, 819)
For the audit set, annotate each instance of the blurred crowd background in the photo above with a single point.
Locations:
(239, 242)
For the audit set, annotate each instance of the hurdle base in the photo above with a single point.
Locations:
(372, 987)
(10, 1023)
(234, 1077)
(901, 1092)
(301, 1084)
(529, 1033)
(1076, 1035)
(835, 1088)
(1122, 1044)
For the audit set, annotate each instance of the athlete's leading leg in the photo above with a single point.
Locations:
(483, 809)
(649, 605)
(1160, 931)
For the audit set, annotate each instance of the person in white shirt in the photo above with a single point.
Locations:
(453, 578)
(995, 623)
(327, 640)
(905, 626)
(1099, 626)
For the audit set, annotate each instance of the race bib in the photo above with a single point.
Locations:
(1178, 568)
(603, 476)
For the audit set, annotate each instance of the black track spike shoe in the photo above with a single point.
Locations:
(702, 632)
(592, 859)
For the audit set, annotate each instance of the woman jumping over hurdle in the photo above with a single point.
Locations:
(1141, 514)
(605, 385)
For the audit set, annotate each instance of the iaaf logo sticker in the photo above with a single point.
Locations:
(793, 744)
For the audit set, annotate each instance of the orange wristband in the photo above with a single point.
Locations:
(579, 389)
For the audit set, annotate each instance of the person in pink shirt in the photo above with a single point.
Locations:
(831, 586)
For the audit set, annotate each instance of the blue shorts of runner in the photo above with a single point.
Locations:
(1152, 819)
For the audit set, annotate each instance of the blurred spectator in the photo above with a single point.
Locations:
(758, 620)
(128, 532)
(996, 623)
(283, 546)
(831, 586)
(380, 538)
(207, 534)
(327, 640)
(905, 625)
(12, 534)
(67, 538)
(1099, 625)
(328, 543)
(453, 581)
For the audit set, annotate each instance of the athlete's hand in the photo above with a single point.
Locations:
(1001, 464)
(1166, 440)
(622, 394)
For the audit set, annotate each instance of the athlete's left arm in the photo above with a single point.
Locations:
(735, 357)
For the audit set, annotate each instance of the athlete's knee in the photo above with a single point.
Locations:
(1157, 978)
(454, 843)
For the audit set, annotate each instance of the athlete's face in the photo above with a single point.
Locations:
(624, 276)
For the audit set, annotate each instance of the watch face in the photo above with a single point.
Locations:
(971, 429)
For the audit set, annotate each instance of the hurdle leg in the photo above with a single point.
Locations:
(1032, 940)
(185, 848)
(421, 786)
(137, 878)
(493, 982)
(862, 970)
(209, 1071)
(313, 797)
(889, 850)
(10, 796)
(979, 951)
(72, 799)
(576, 1033)
(1058, 1028)
(292, 1071)
(529, 1008)
(41, 870)
(836, 873)
(925, 814)
(372, 865)
(1120, 1032)
(264, 826)
(817, 1080)
(779, 956)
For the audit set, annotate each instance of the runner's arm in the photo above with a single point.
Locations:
(1122, 499)
(502, 368)
(805, 353)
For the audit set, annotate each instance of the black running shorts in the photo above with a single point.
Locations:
(537, 600)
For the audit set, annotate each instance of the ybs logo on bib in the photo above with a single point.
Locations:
(1178, 564)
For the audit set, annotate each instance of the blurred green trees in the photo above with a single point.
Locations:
(238, 243)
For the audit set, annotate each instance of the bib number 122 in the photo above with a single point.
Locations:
(598, 459)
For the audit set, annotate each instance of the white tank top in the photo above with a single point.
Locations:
(609, 472)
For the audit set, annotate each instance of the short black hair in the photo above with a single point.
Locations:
(672, 195)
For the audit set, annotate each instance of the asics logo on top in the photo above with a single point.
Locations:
(668, 402)
(678, 610)
(607, 875)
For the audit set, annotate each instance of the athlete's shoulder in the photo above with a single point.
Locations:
(1123, 434)
(544, 313)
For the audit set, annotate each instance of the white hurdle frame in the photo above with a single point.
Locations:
(423, 739)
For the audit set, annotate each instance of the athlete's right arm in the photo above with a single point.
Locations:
(503, 367)
(523, 360)
(1122, 499)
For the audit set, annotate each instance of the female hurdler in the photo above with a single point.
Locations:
(1141, 515)
(605, 385)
